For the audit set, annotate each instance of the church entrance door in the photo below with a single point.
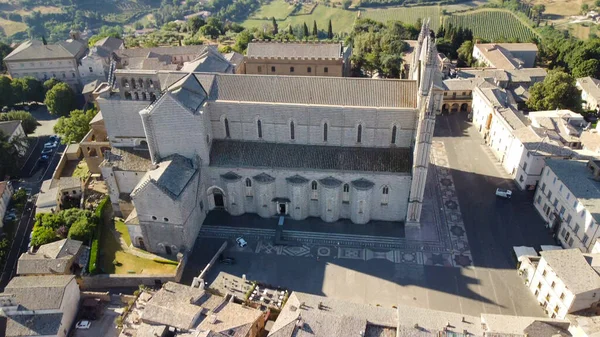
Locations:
(218, 199)
(282, 207)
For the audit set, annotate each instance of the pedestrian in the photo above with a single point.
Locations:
(317, 258)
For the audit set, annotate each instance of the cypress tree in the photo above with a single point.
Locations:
(305, 30)
(275, 28)
(330, 31)
(290, 30)
(315, 30)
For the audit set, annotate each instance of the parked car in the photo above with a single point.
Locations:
(44, 158)
(83, 324)
(591, 118)
(54, 138)
(241, 242)
(50, 145)
(227, 260)
(47, 151)
(10, 217)
(503, 193)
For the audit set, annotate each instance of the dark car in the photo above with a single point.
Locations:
(227, 260)
(44, 158)
(591, 118)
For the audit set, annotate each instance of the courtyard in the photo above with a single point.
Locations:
(460, 259)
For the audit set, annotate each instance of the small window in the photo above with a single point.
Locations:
(248, 182)
(539, 200)
(315, 190)
(226, 122)
(385, 191)
(259, 69)
(153, 217)
(292, 133)
(525, 167)
(585, 239)
(576, 229)
(272, 69)
(326, 70)
(394, 130)
(201, 206)
(73, 75)
(562, 296)
(166, 219)
(259, 127)
(325, 132)
(291, 69)
(91, 70)
(309, 70)
(553, 284)
(346, 194)
(359, 134)
(74, 192)
(544, 273)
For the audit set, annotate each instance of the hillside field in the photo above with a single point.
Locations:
(492, 24)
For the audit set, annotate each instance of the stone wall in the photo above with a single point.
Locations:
(122, 281)
(342, 123)
(331, 203)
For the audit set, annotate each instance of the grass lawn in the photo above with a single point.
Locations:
(81, 171)
(342, 20)
(276, 8)
(12, 27)
(111, 250)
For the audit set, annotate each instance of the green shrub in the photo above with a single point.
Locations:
(163, 261)
(92, 269)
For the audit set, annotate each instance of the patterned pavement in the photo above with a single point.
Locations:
(441, 240)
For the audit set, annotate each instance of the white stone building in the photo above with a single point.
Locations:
(566, 281)
(40, 305)
(44, 61)
(521, 144)
(568, 198)
(590, 92)
(95, 64)
(14, 131)
(506, 55)
(6, 192)
(272, 145)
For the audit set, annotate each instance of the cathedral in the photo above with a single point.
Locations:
(185, 143)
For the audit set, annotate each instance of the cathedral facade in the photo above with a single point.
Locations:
(334, 148)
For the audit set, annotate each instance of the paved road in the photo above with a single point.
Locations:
(34, 174)
(493, 226)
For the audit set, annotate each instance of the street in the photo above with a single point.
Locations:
(33, 174)
(395, 273)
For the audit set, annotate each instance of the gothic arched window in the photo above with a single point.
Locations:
(394, 130)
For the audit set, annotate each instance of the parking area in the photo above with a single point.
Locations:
(105, 325)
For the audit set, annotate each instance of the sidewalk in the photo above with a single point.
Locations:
(311, 224)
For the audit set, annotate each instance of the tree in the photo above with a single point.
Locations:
(27, 89)
(315, 31)
(49, 84)
(346, 4)
(4, 51)
(82, 229)
(60, 99)
(330, 30)
(597, 3)
(586, 68)
(74, 127)
(241, 41)
(557, 91)
(465, 54)
(28, 122)
(194, 24)
(6, 92)
(305, 30)
(9, 154)
(275, 27)
(43, 235)
(290, 30)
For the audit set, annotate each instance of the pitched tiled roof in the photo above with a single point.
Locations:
(172, 175)
(36, 50)
(172, 50)
(9, 127)
(295, 50)
(340, 91)
(39, 292)
(590, 85)
(128, 159)
(572, 269)
(51, 258)
(36, 324)
(110, 43)
(233, 153)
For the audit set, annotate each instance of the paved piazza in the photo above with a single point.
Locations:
(460, 259)
(441, 240)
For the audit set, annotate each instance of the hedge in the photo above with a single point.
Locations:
(92, 269)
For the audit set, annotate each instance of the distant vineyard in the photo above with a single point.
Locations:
(492, 25)
(405, 14)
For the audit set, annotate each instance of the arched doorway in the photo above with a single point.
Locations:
(216, 197)
(140, 243)
(464, 107)
(454, 108)
(445, 109)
